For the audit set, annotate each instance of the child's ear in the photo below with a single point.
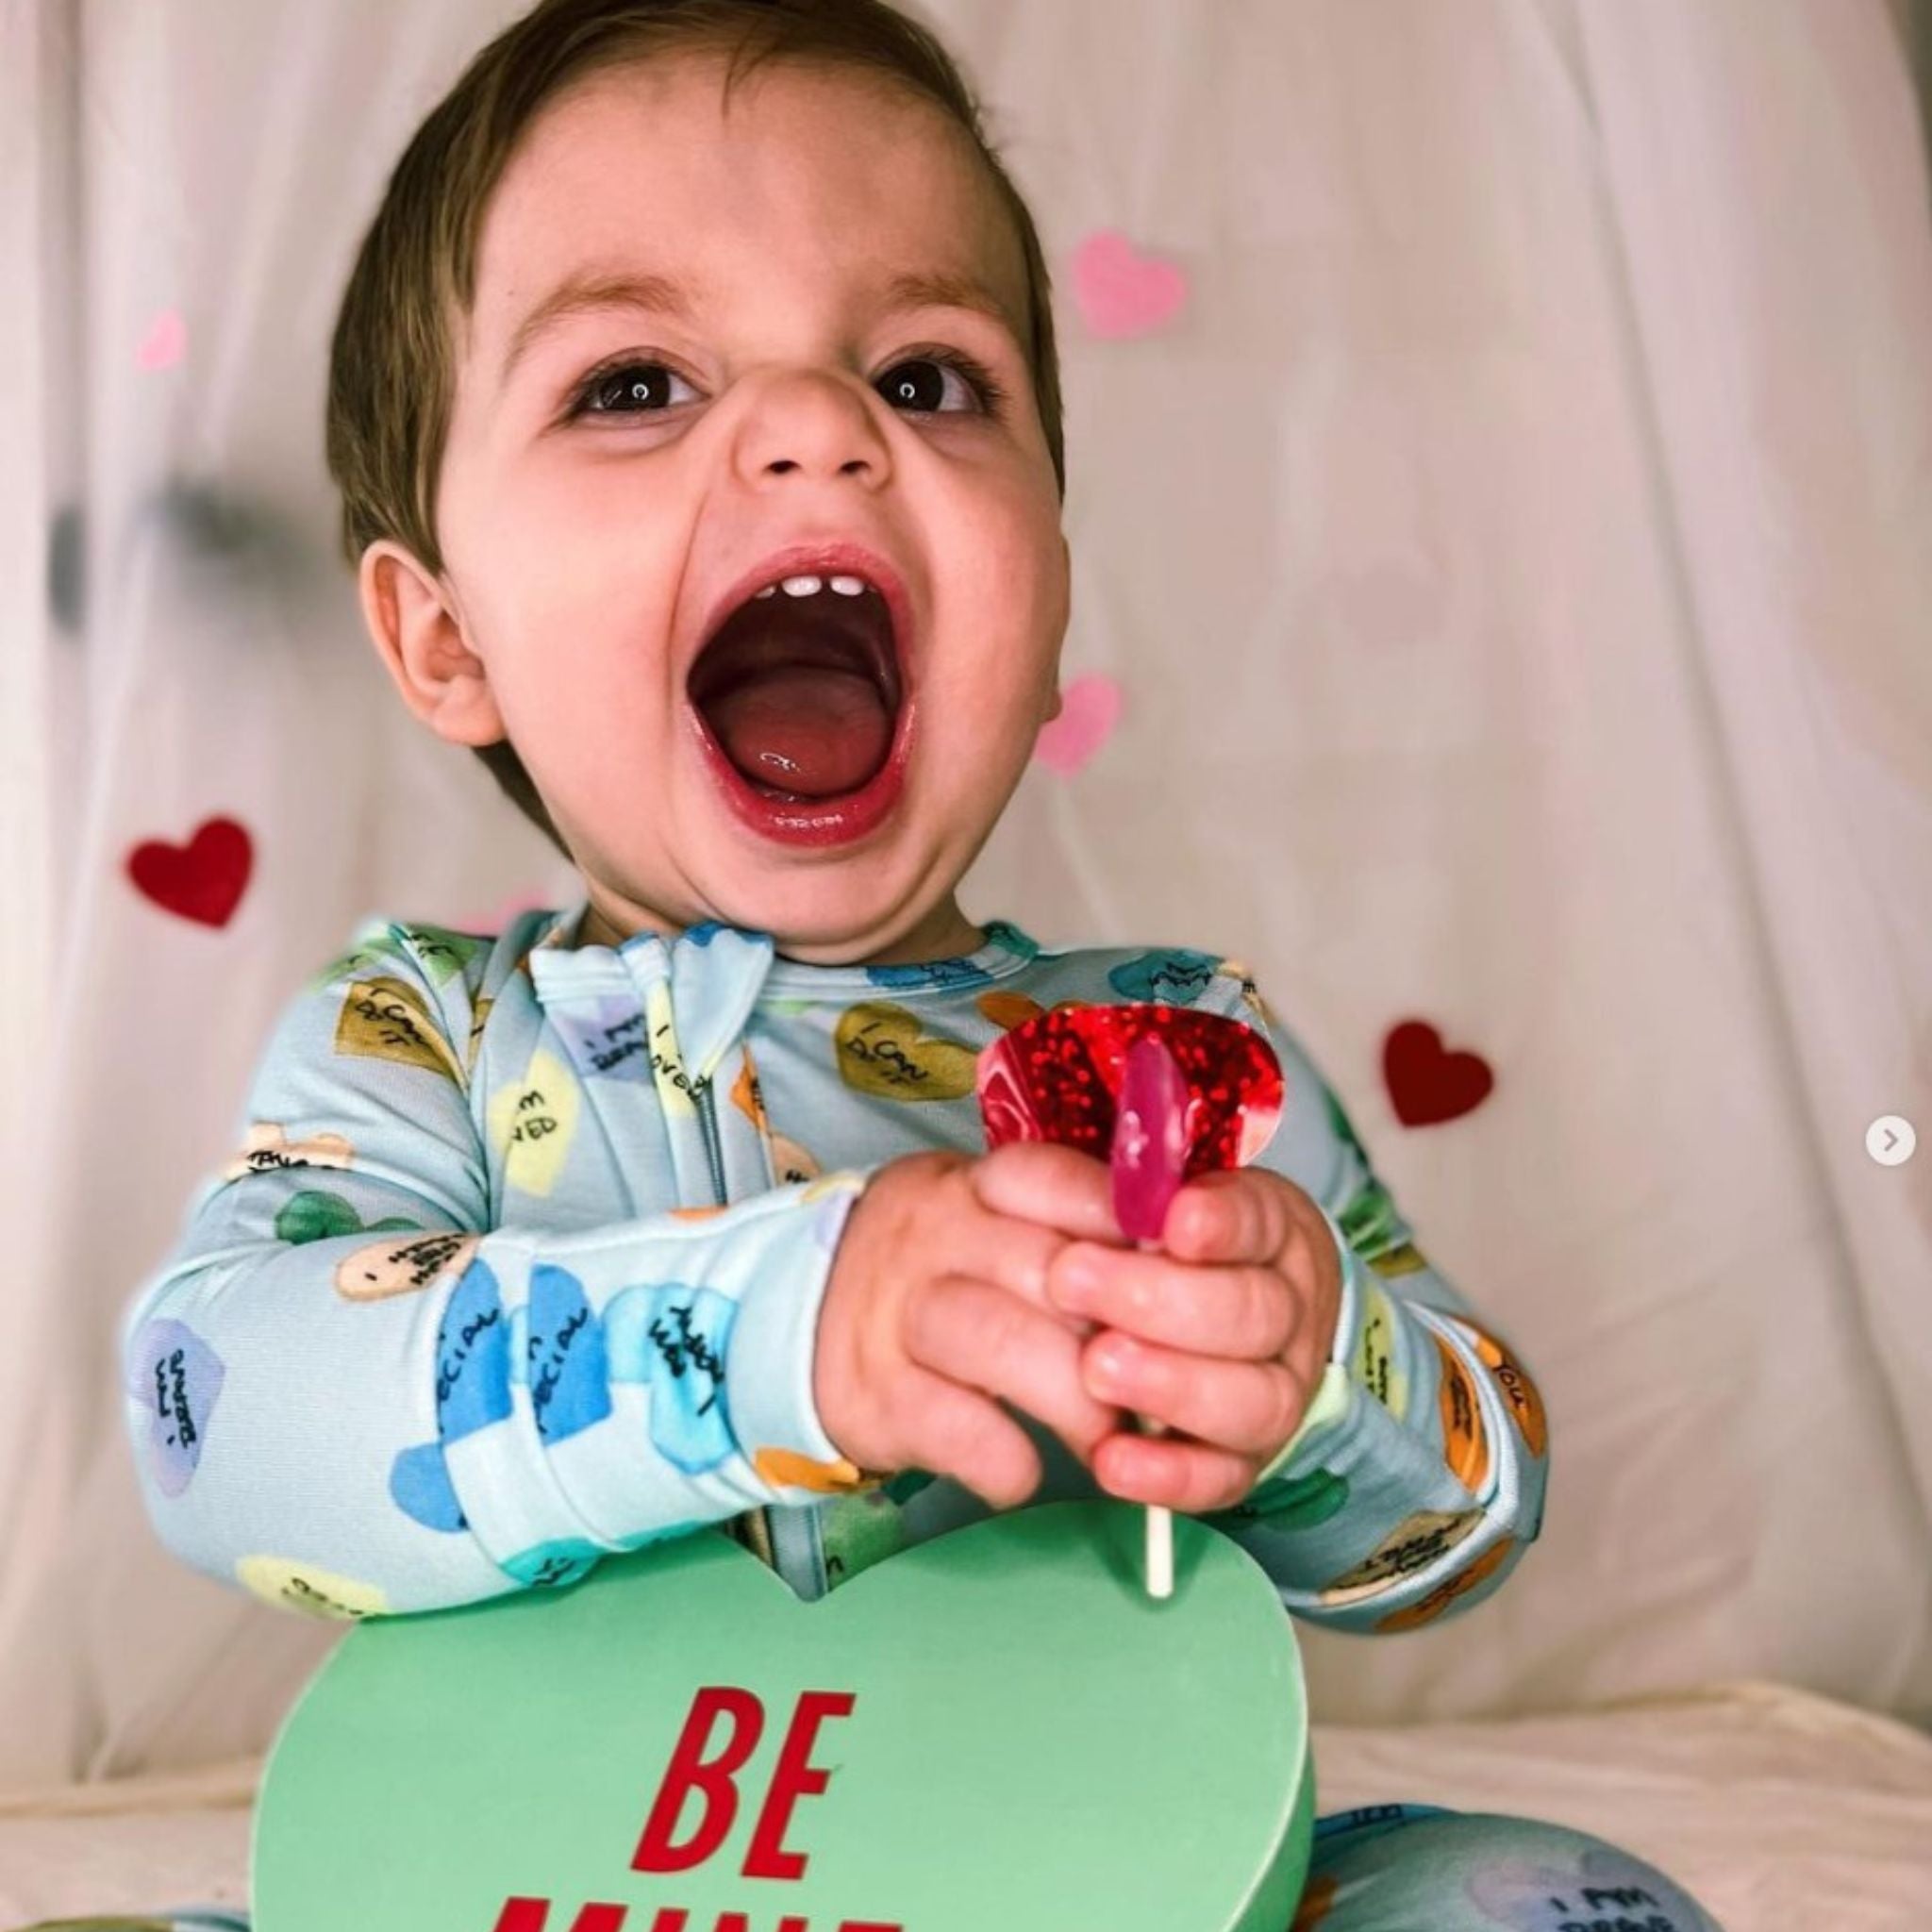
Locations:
(417, 631)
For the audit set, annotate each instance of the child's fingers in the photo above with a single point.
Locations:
(961, 1433)
(1248, 1312)
(1171, 1473)
(1057, 1187)
(1249, 1408)
(1013, 1252)
(1243, 1214)
(974, 1333)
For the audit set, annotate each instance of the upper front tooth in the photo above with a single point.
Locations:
(803, 587)
(849, 587)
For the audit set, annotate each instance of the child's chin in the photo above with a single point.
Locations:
(816, 917)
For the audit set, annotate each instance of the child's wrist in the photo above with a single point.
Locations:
(1328, 1404)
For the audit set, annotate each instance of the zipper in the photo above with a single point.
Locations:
(702, 1091)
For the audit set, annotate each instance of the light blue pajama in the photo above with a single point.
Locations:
(503, 1213)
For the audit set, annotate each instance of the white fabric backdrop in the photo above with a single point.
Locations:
(1515, 555)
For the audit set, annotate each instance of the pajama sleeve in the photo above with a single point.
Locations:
(1416, 1479)
(352, 1395)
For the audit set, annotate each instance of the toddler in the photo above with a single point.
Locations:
(695, 411)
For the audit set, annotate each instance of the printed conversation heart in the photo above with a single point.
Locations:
(882, 1051)
(473, 1358)
(1173, 975)
(268, 1147)
(309, 1589)
(1426, 1083)
(786, 1467)
(1123, 293)
(1599, 1886)
(673, 1338)
(1008, 1009)
(1089, 708)
(534, 1123)
(792, 1161)
(385, 1018)
(177, 1378)
(391, 1268)
(316, 1216)
(203, 880)
(442, 953)
(677, 1740)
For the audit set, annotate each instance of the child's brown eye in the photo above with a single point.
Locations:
(626, 389)
(918, 383)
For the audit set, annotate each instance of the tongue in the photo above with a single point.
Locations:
(811, 731)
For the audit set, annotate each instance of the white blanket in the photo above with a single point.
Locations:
(1780, 1810)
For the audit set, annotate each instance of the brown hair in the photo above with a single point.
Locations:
(391, 363)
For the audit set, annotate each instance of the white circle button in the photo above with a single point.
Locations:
(1890, 1140)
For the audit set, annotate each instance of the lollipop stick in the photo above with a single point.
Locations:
(1159, 1558)
(1160, 1543)
(1149, 1158)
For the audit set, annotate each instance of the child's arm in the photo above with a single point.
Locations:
(350, 1393)
(1417, 1477)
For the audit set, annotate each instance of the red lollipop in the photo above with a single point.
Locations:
(1059, 1077)
(1069, 1076)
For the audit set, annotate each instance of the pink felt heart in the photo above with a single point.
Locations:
(1089, 708)
(1426, 1083)
(165, 342)
(1121, 292)
(203, 880)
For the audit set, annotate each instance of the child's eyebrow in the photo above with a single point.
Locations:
(593, 291)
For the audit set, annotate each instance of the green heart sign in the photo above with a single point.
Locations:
(995, 1728)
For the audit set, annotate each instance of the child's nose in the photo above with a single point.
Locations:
(812, 421)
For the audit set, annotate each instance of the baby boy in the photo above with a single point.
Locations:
(695, 411)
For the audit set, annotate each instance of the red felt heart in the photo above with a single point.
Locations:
(1059, 1076)
(1426, 1083)
(203, 880)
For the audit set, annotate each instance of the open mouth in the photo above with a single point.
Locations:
(800, 691)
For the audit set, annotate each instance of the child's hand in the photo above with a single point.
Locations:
(1223, 1337)
(936, 1305)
